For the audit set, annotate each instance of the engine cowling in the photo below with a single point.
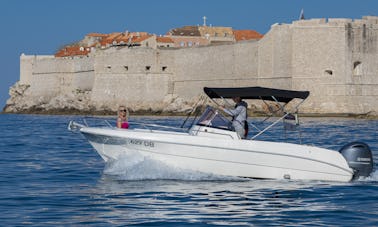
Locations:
(359, 158)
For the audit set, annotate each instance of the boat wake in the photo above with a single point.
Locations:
(134, 166)
(373, 177)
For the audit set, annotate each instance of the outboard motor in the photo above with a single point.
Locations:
(359, 158)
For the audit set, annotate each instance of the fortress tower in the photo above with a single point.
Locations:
(333, 59)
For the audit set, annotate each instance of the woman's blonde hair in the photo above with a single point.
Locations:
(123, 107)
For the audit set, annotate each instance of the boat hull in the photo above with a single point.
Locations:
(220, 156)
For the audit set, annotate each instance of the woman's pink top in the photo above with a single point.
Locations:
(125, 124)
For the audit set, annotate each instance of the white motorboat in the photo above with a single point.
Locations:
(211, 145)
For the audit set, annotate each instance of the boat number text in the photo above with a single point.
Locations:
(146, 143)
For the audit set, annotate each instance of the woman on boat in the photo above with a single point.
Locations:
(239, 116)
(122, 120)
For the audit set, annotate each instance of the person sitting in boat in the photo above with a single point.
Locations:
(239, 116)
(122, 120)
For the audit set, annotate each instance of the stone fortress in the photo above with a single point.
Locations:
(335, 59)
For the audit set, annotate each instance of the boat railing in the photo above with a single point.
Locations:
(198, 130)
(286, 115)
(151, 126)
(90, 121)
(270, 126)
(106, 122)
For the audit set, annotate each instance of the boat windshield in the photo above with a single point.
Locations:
(212, 118)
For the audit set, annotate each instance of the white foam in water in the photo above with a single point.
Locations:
(373, 177)
(134, 166)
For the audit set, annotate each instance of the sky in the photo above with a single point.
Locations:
(41, 27)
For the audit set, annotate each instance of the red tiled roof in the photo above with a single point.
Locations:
(124, 37)
(72, 51)
(140, 39)
(246, 35)
(133, 37)
(108, 39)
(164, 40)
(137, 37)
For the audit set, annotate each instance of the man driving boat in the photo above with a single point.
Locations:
(239, 116)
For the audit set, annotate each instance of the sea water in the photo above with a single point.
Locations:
(53, 177)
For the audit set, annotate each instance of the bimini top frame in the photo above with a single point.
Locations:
(262, 93)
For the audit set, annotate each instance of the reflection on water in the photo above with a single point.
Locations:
(231, 202)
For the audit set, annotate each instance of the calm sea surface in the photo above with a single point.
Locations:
(52, 177)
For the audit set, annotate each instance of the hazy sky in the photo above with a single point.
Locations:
(40, 27)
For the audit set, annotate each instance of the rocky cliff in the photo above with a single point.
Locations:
(79, 102)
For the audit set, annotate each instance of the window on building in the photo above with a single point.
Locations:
(328, 72)
(190, 44)
(164, 68)
(108, 68)
(148, 68)
(357, 68)
(182, 43)
(126, 67)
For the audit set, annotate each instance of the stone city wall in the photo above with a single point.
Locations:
(224, 65)
(140, 78)
(49, 76)
(145, 78)
(334, 59)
